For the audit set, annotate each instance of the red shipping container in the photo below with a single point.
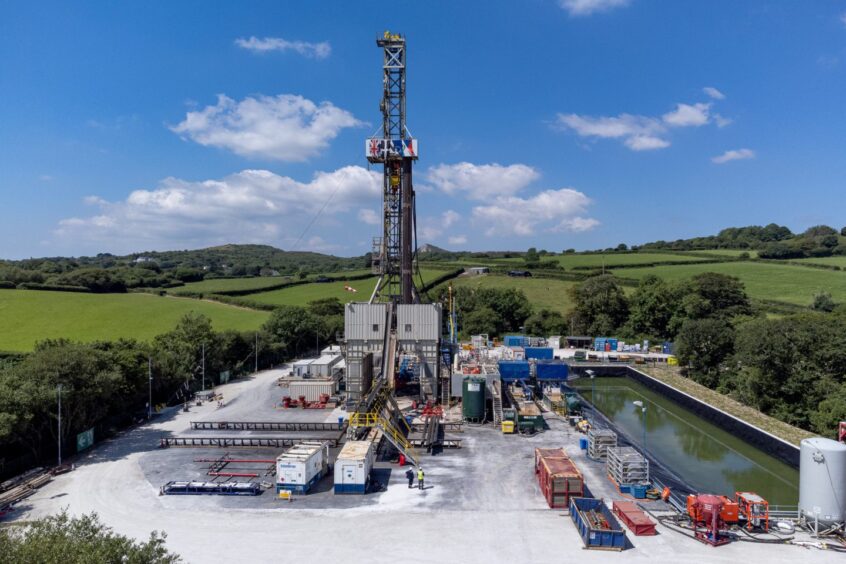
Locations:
(548, 453)
(634, 518)
(559, 480)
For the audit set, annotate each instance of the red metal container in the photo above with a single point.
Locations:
(558, 477)
(634, 518)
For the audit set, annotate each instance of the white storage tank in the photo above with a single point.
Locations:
(822, 480)
(302, 466)
(352, 468)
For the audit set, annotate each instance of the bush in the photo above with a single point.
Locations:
(52, 287)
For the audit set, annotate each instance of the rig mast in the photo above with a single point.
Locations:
(393, 253)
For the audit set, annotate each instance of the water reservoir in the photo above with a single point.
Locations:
(708, 458)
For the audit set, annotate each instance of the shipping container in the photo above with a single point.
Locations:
(353, 466)
(515, 341)
(529, 418)
(558, 477)
(598, 528)
(511, 370)
(539, 353)
(634, 518)
(312, 389)
(324, 366)
(551, 370)
(302, 466)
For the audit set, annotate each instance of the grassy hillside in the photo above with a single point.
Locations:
(303, 294)
(542, 292)
(784, 283)
(30, 316)
(229, 284)
(596, 260)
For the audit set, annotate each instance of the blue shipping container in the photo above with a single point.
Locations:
(599, 344)
(667, 347)
(613, 538)
(511, 370)
(551, 370)
(516, 341)
(539, 353)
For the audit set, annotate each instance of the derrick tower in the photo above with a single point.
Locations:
(393, 252)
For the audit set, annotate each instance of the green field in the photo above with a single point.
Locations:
(784, 283)
(733, 253)
(827, 261)
(305, 293)
(215, 285)
(597, 260)
(228, 284)
(29, 316)
(543, 293)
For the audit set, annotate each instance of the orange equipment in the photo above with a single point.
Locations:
(754, 509)
(707, 513)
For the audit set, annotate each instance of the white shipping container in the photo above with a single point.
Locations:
(353, 466)
(312, 389)
(302, 466)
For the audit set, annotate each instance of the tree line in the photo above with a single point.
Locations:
(106, 385)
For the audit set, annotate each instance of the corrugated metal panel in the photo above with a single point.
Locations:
(311, 390)
(421, 322)
(360, 320)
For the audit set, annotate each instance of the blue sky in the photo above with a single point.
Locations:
(550, 123)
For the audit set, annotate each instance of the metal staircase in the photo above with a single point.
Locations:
(496, 400)
(380, 410)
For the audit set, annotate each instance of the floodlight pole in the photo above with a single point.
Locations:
(59, 391)
(149, 387)
(204, 367)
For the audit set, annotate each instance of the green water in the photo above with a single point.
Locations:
(703, 455)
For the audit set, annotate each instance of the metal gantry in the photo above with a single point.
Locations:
(393, 253)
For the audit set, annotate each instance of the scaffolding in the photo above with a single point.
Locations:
(626, 466)
(599, 441)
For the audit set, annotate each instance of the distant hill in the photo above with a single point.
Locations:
(156, 269)
(429, 248)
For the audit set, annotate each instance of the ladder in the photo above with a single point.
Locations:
(496, 400)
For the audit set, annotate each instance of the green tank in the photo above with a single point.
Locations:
(473, 399)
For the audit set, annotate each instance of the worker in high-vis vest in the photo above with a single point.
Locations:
(420, 477)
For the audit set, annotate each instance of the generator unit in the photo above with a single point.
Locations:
(711, 514)
(754, 509)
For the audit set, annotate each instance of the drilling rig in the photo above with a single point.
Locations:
(396, 150)
(392, 342)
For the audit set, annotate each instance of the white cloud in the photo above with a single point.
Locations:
(285, 127)
(249, 206)
(479, 182)
(713, 93)
(457, 240)
(311, 50)
(734, 155)
(722, 121)
(646, 143)
(686, 115)
(368, 216)
(588, 7)
(431, 228)
(640, 133)
(552, 210)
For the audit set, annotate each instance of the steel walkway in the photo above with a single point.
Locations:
(265, 426)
